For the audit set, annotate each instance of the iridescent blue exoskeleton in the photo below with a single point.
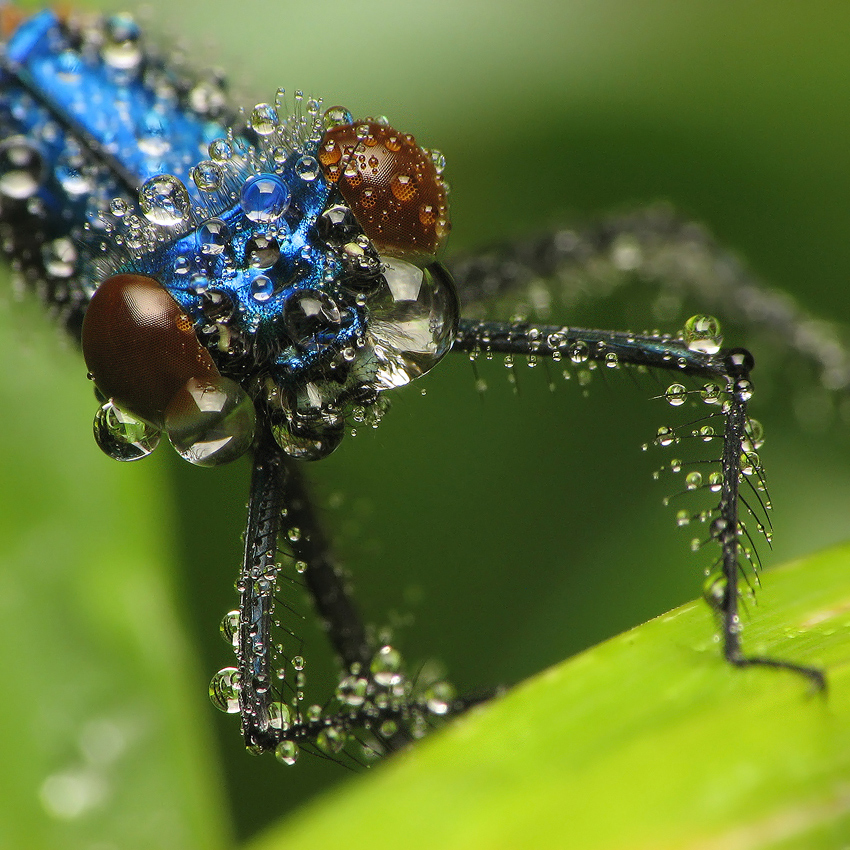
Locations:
(251, 283)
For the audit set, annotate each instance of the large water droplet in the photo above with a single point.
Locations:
(753, 435)
(73, 180)
(386, 666)
(220, 150)
(262, 288)
(264, 198)
(307, 168)
(164, 200)
(411, 321)
(332, 740)
(336, 116)
(693, 480)
(264, 119)
(213, 236)
(579, 351)
(280, 716)
(210, 424)
(311, 318)
(714, 590)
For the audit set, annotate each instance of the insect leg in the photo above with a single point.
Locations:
(730, 367)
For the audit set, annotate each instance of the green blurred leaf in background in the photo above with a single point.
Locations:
(498, 534)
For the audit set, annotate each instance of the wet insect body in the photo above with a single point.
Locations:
(252, 284)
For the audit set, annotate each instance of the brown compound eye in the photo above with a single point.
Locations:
(141, 349)
(391, 185)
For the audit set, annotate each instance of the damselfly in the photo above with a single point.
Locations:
(575, 352)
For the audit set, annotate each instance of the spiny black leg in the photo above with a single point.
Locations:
(375, 701)
(276, 487)
(726, 528)
(583, 344)
(731, 367)
(257, 587)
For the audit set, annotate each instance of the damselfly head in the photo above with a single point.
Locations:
(295, 274)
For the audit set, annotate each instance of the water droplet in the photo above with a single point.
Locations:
(676, 394)
(229, 628)
(298, 662)
(715, 482)
(164, 200)
(332, 740)
(307, 168)
(386, 666)
(264, 119)
(336, 116)
(718, 529)
(21, 168)
(264, 198)
(280, 716)
(352, 691)
(714, 590)
(122, 43)
(220, 150)
(210, 423)
(207, 175)
(439, 161)
(706, 433)
(311, 318)
(262, 252)
(753, 435)
(693, 480)
(74, 181)
(224, 690)
(702, 333)
(388, 728)
(59, 257)
(665, 436)
(579, 351)
(683, 518)
(439, 697)
(710, 393)
(286, 752)
(262, 288)
(744, 389)
(122, 436)
(213, 236)
(749, 462)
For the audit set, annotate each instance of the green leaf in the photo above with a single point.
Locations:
(105, 738)
(647, 740)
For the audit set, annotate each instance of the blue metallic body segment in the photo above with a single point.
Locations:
(187, 271)
(101, 92)
(102, 128)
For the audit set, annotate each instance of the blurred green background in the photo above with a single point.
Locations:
(498, 534)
